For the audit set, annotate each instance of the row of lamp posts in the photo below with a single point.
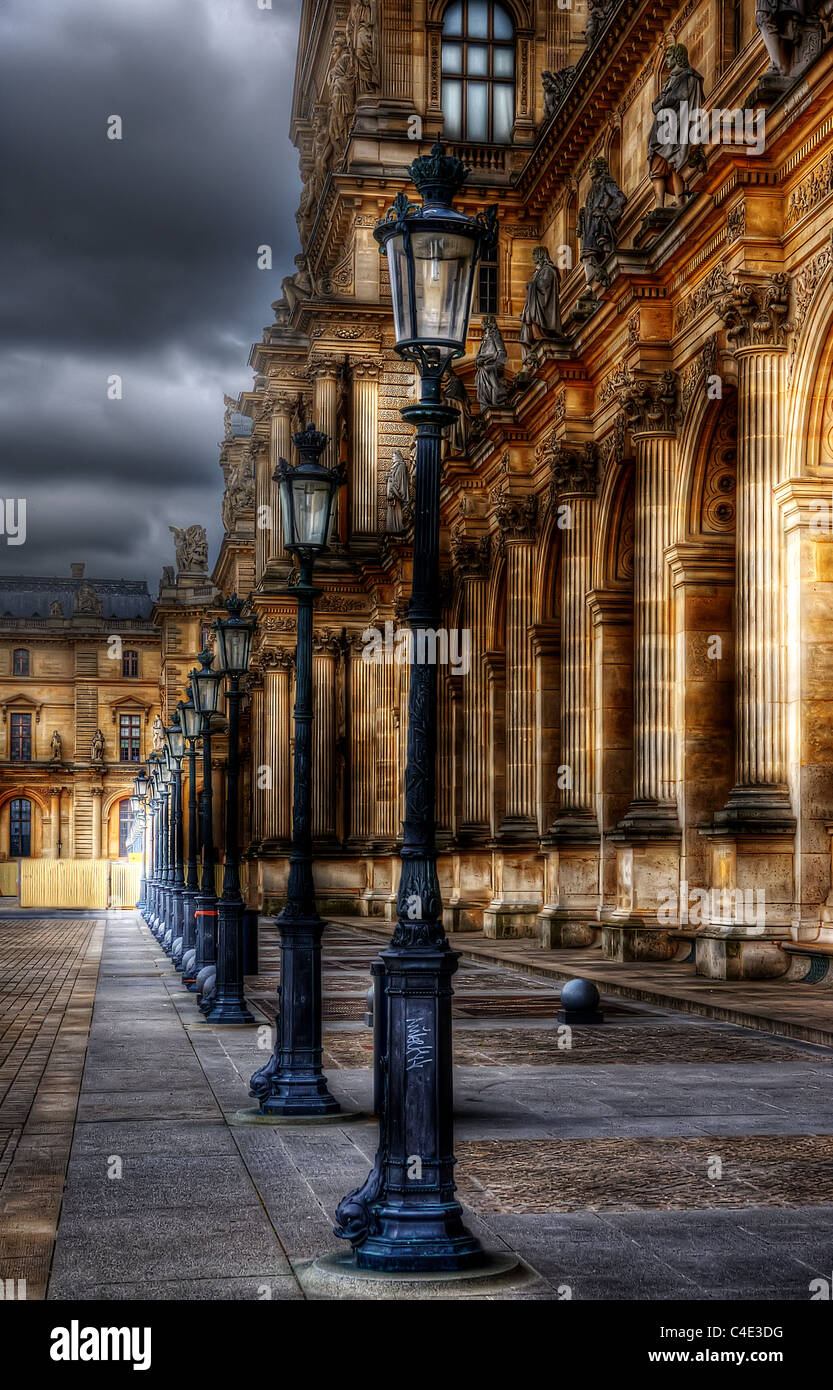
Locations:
(405, 1218)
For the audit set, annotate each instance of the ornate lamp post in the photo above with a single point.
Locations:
(167, 787)
(175, 747)
(191, 722)
(205, 692)
(292, 1082)
(405, 1217)
(234, 650)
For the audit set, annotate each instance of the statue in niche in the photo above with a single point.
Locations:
(455, 393)
(793, 34)
(489, 366)
(669, 147)
(158, 734)
(363, 35)
(541, 317)
(598, 220)
(298, 287)
(341, 87)
(97, 747)
(191, 545)
(56, 746)
(398, 493)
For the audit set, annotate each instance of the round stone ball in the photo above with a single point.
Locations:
(579, 994)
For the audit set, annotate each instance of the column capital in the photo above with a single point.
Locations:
(755, 312)
(649, 401)
(516, 517)
(323, 366)
(471, 555)
(574, 471)
(365, 368)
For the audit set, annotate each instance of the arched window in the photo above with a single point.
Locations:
(130, 663)
(478, 68)
(125, 828)
(20, 829)
(20, 665)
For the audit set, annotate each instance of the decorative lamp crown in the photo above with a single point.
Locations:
(438, 176)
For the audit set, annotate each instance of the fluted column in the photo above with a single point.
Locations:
(281, 449)
(365, 463)
(54, 820)
(517, 528)
(756, 314)
(325, 657)
(258, 761)
(653, 675)
(276, 701)
(324, 372)
(472, 558)
(387, 768)
(362, 746)
(264, 515)
(96, 794)
(572, 495)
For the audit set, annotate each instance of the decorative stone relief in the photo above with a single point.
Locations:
(573, 471)
(649, 403)
(755, 314)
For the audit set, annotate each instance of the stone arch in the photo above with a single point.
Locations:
(521, 14)
(613, 555)
(40, 815)
(547, 580)
(809, 422)
(706, 484)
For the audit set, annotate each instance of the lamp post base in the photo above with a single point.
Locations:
(228, 1004)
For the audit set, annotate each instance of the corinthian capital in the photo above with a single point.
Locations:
(471, 556)
(649, 403)
(573, 471)
(756, 313)
(516, 517)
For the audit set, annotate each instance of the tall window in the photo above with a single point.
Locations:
(21, 738)
(20, 829)
(130, 663)
(130, 737)
(20, 666)
(478, 72)
(125, 828)
(487, 281)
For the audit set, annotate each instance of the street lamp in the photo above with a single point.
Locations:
(293, 1082)
(205, 692)
(405, 1217)
(234, 650)
(190, 721)
(175, 749)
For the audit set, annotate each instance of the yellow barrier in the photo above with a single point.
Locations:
(125, 883)
(8, 879)
(64, 883)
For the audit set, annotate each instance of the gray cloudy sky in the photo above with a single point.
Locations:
(135, 257)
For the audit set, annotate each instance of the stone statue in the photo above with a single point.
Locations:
(598, 220)
(793, 34)
(298, 287)
(555, 85)
(598, 13)
(455, 393)
(56, 609)
(669, 147)
(158, 734)
(87, 600)
(541, 317)
(230, 406)
(363, 35)
(398, 493)
(56, 746)
(191, 549)
(299, 414)
(168, 577)
(97, 747)
(240, 491)
(341, 87)
(489, 364)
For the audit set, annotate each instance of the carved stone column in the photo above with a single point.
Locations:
(472, 557)
(262, 459)
(258, 754)
(324, 372)
(753, 838)
(96, 794)
(365, 433)
(569, 914)
(326, 651)
(281, 448)
(276, 753)
(648, 837)
(362, 747)
(54, 821)
(512, 911)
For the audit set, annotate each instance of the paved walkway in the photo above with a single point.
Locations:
(659, 1156)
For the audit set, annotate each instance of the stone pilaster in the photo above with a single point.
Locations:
(276, 794)
(96, 794)
(472, 560)
(325, 659)
(362, 748)
(365, 446)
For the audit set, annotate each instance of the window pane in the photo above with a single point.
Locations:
(477, 59)
(453, 110)
(453, 19)
(478, 26)
(452, 57)
(504, 62)
(503, 113)
(477, 97)
(503, 23)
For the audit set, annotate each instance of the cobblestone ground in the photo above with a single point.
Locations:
(657, 1156)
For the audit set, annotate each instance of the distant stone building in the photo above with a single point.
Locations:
(637, 539)
(79, 692)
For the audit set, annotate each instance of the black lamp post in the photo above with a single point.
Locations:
(175, 747)
(167, 780)
(405, 1217)
(205, 692)
(234, 650)
(293, 1082)
(191, 722)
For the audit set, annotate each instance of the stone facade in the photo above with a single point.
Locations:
(639, 543)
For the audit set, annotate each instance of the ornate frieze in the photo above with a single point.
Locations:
(612, 447)
(755, 314)
(736, 223)
(717, 281)
(810, 192)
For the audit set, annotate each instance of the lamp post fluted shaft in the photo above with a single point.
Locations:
(293, 1082)
(178, 887)
(189, 896)
(229, 1005)
(206, 910)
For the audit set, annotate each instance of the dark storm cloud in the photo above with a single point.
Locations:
(135, 257)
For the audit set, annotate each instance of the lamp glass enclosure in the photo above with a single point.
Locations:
(234, 644)
(306, 503)
(205, 688)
